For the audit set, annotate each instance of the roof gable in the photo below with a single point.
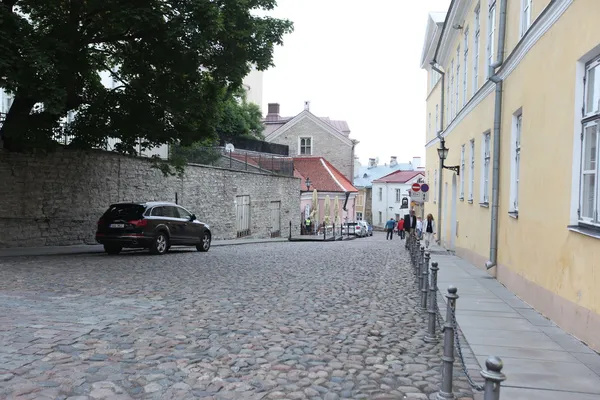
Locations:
(366, 175)
(435, 22)
(324, 125)
(400, 177)
(324, 177)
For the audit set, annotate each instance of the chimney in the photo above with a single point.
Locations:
(307, 106)
(372, 162)
(416, 162)
(393, 161)
(273, 114)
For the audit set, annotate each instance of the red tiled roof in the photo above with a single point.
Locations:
(323, 176)
(398, 177)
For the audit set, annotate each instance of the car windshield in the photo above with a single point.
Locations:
(124, 211)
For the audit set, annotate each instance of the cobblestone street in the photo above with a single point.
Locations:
(263, 321)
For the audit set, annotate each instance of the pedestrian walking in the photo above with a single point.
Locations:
(419, 228)
(410, 222)
(401, 228)
(429, 230)
(389, 227)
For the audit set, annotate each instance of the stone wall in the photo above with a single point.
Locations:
(57, 199)
(340, 154)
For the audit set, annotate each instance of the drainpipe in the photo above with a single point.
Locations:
(441, 169)
(497, 139)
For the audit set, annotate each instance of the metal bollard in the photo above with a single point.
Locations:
(290, 234)
(421, 259)
(425, 287)
(419, 273)
(448, 358)
(431, 337)
(493, 377)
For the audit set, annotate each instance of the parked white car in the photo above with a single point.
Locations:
(365, 228)
(355, 229)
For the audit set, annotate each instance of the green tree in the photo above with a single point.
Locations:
(177, 63)
(239, 117)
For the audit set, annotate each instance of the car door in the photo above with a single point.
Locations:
(192, 229)
(176, 224)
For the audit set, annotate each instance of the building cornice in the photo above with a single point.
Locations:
(541, 25)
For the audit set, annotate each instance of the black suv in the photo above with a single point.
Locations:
(153, 225)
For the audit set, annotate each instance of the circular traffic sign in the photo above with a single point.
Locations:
(424, 187)
(416, 187)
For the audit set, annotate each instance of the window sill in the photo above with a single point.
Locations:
(470, 201)
(484, 205)
(586, 230)
(462, 199)
(513, 214)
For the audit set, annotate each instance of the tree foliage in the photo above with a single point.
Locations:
(178, 64)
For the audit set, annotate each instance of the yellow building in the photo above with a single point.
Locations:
(516, 99)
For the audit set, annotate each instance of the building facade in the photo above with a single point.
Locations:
(514, 91)
(390, 195)
(310, 136)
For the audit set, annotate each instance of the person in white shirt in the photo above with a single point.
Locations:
(419, 228)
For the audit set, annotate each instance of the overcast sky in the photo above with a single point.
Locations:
(357, 61)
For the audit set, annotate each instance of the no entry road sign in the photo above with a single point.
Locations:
(416, 187)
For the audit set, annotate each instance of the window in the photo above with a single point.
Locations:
(380, 194)
(525, 16)
(472, 171)
(588, 198)
(380, 218)
(516, 162)
(451, 90)
(435, 183)
(462, 172)
(485, 174)
(359, 216)
(491, 36)
(398, 196)
(437, 118)
(476, 49)
(457, 85)
(466, 62)
(429, 124)
(448, 104)
(306, 146)
(183, 213)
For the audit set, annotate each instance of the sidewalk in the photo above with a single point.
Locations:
(97, 248)
(541, 361)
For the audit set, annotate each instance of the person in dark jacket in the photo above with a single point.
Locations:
(410, 222)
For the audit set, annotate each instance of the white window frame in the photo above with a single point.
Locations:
(398, 195)
(589, 118)
(437, 118)
(476, 45)
(462, 172)
(491, 39)
(300, 145)
(457, 86)
(435, 185)
(451, 90)
(448, 105)
(486, 158)
(465, 69)
(517, 131)
(381, 215)
(472, 171)
(429, 124)
(380, 194)
(525, 16)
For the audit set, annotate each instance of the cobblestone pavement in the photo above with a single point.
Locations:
(278, 321)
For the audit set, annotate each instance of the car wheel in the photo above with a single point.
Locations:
(204, 242)
(160, 244)
(112, 249)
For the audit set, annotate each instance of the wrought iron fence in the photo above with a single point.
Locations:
(241, 160)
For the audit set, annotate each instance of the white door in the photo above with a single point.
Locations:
(275, 219)
(242, 215)
(445, 218)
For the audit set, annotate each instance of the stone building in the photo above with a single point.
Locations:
(310, 136)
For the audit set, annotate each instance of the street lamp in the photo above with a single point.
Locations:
(443, 154)
(308, 183)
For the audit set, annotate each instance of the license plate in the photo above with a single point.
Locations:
(117, 226)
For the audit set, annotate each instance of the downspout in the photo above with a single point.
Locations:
(439, 135)
(497, 139)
